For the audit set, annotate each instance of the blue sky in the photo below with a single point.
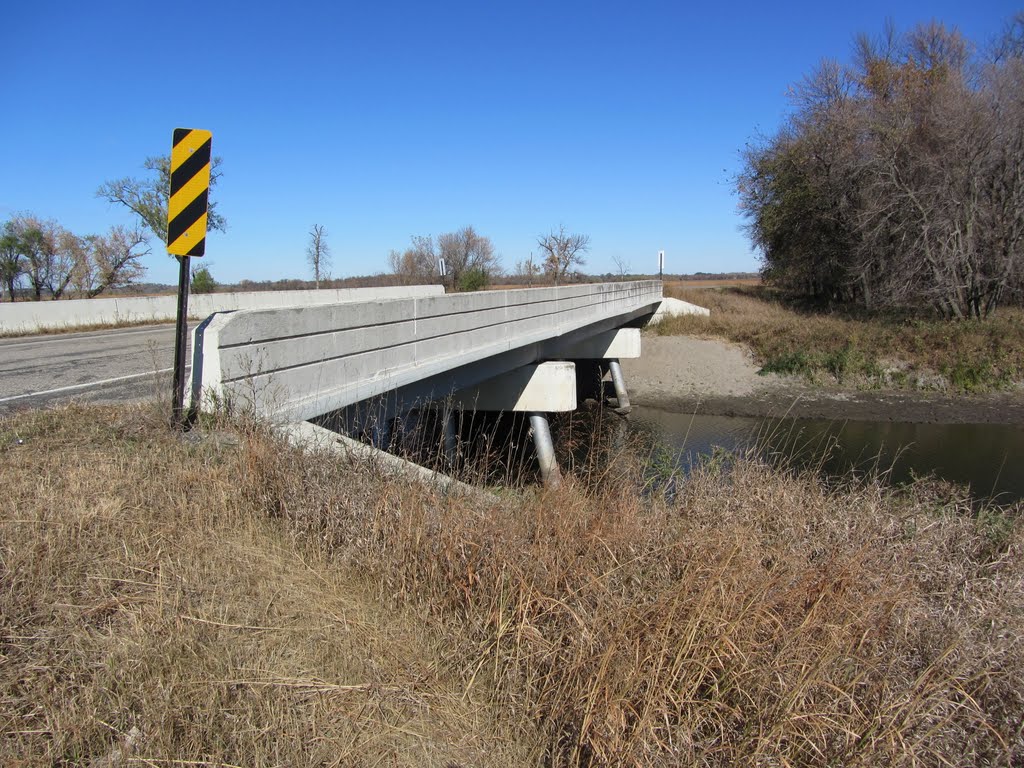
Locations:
(384, 120)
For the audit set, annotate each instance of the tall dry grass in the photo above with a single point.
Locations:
(236, 602)
(866, 350)
(152, 613)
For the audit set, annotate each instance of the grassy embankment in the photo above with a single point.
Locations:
(876, 351)
(224, 600)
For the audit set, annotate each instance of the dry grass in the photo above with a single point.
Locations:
(875, 351)
(231, 601)
(150, 613)
(674, 285)
(84, 328)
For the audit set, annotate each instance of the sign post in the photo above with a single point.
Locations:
(187, 208)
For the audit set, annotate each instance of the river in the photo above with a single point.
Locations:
(989, 458)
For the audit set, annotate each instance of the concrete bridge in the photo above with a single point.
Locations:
(530, 350)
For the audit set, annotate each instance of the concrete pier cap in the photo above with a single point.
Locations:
(542, 387)
(614, 344)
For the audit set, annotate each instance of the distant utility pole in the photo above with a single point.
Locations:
(661, 264)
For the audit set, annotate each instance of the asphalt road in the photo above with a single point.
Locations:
(122, 365)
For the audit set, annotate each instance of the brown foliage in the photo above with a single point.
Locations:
(155, 608)
(898, 182)
(463, 251)
(853, 349)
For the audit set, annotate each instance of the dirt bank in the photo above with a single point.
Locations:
(689, 374)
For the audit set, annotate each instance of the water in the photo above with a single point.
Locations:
(989, 458)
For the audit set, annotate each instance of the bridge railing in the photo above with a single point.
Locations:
(300, 362)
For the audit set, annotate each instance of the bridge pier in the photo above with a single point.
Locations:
(545, 448)
(619, 381)
(607, 349)
(533, 389)
(451, 435)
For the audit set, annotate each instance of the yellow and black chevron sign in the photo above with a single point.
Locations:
(190, 190)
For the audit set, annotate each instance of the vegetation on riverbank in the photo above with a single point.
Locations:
(892, 351)
(897, 183)
(221, 599)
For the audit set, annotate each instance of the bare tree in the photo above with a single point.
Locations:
(115, 260)
(562, 252)
(37, 243)
(60, 262)
(467, 251)
(416, 264)
(898, 182)
(1010, 45)
(464, 251)
(528, 270)
(621, 264)
(318, 253)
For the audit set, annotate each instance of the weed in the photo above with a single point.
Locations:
(969, 375)
(972, 355)
(798, 362)
(238, 602)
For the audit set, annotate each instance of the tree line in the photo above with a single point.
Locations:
(40, 258)
(471, 263)
(898, 181)
(48, 260)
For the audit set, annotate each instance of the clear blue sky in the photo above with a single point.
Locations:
(384, 120)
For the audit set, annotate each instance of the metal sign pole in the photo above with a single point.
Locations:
(180, 343)
(187, 211)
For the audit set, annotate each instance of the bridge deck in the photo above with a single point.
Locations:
(300, 362)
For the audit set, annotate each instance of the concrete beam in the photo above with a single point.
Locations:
(547, 387)
(614, 344)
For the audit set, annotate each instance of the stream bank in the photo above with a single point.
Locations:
(686, 374)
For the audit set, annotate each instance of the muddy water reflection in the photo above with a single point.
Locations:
(987, 457)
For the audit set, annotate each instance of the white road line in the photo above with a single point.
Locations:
(73, 387)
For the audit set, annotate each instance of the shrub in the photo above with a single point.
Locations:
(202, 281)
(473, 280)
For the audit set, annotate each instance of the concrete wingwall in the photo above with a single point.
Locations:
(300, 362)
(31, 316)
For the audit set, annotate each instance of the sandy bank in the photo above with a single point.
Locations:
(689, 374)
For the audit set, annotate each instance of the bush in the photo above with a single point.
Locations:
(473, 280)
(202, 281)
